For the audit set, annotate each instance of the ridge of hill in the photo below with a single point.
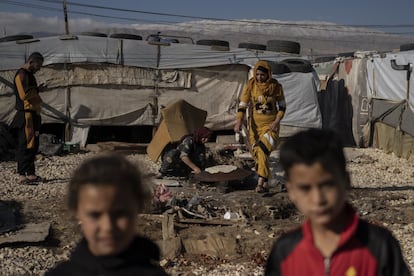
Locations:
(316, 38)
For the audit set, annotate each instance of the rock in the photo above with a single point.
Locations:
(31, 232)
(396, 171)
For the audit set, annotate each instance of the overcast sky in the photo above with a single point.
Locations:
(16, 15)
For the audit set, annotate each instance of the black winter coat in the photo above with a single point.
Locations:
(141, 258)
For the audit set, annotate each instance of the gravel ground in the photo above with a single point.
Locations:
(382, 178)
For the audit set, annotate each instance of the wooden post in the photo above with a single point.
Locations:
(168, 231)
(65, 13)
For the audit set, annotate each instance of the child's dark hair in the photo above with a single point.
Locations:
(314, 146)
(108, 169)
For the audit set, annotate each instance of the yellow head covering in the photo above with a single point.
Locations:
(267, 87)
(263, 64)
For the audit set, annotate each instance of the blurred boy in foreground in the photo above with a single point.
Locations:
(333, 240)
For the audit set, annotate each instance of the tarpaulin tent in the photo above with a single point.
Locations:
(98, 81)
(368, 99)
(343, 99)
(390, 88)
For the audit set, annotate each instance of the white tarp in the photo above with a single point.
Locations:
(301, 99)
(384, 82)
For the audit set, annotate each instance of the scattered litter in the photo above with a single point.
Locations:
(162, 194)
(195, 200)
(192, 213)
(231, 215)
(167, 182)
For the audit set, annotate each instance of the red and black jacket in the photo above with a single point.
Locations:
(363, 249)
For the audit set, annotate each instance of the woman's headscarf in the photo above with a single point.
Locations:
(201, 133)
(267, 87)
(198, 134)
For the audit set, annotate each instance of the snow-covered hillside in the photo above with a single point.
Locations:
(316, 38)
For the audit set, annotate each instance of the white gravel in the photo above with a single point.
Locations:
(369, 168)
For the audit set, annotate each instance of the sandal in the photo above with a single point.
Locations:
(30, 181)
(34, 178)
(22, 180)
(27, 182)
(262, 189)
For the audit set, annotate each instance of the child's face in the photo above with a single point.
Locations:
(107, 216)
(317, 193)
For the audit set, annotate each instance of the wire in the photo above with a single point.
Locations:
(30, 5)
(35, 6)
(230, 20)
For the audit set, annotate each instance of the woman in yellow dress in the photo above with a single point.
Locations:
(264, 95)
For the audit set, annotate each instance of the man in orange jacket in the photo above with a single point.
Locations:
(27, 119)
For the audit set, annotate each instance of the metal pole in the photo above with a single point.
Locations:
(65, 12)
(157, 82)
(407, 67)
(409, 70)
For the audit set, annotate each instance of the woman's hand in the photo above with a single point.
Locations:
(237, 126)
(191, 165)
(196, 170)
(275, 125)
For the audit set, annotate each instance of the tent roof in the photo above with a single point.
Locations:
(128, 52)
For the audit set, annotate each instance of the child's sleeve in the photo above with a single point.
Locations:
(281, 250)
(272, 267)
(385, 248)
(394, 263)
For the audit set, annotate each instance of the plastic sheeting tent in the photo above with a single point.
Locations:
(105, 81)
(390, 87)
(369, 102)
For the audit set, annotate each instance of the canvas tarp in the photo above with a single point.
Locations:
(343, 98)
(389, 90)
(392, 140)
(118, 101)
(392, 102)
(178, 119)
(301, 98)
(384, 82)
(103, 81)
(382, 111)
